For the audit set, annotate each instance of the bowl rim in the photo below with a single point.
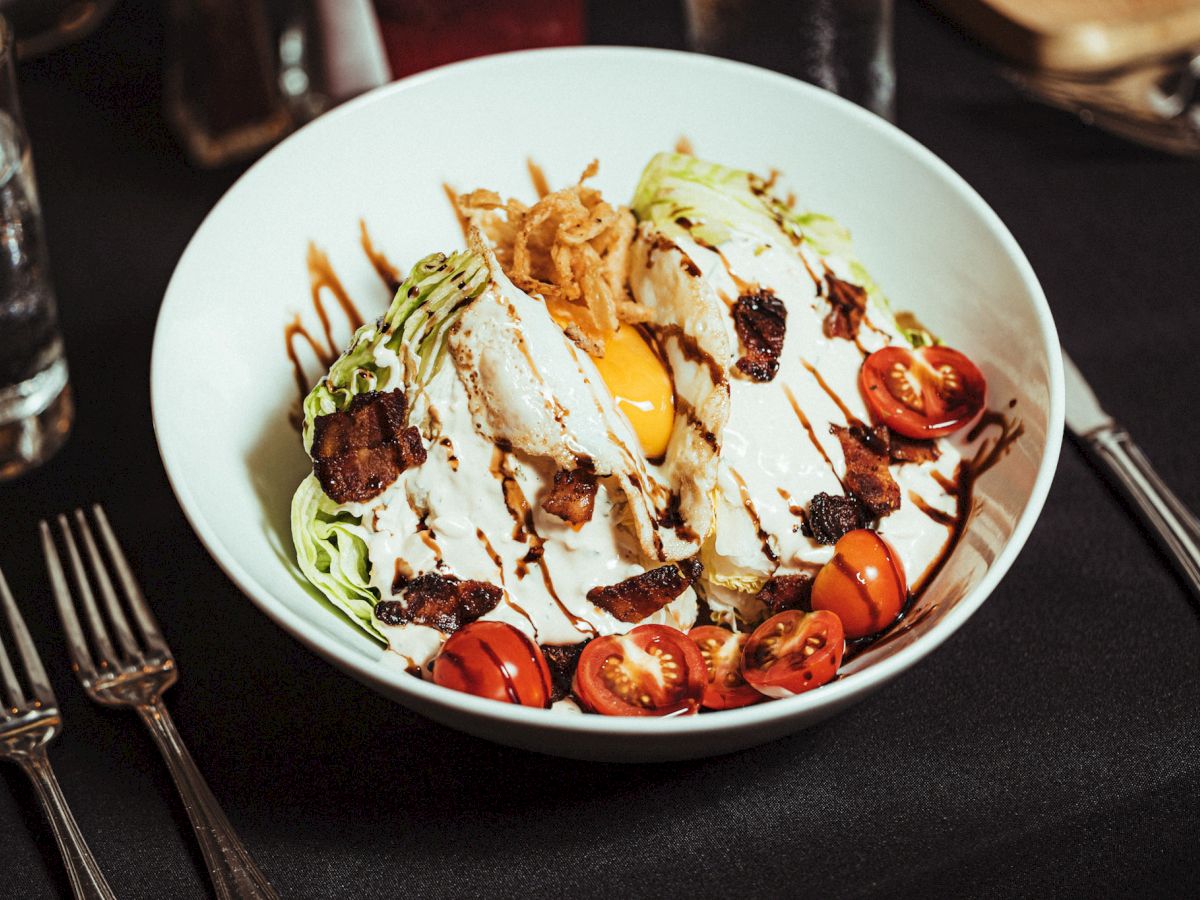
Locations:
(398, 684)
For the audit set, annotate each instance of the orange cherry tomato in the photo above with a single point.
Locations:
(494, 660)
(922, 393)
(863, 584)
(722, 650)
(654, 670)
(793, 652)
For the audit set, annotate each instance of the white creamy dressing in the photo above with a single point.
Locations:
(766, 445)
(449, 515)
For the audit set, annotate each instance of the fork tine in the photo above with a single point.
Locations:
(43, 694)
(108, 656)
(14, 699)
(76, 642)
(133, 593)
(116, 616)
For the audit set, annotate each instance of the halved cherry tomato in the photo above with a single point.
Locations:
(722, 651)
(922, 393)
(494, 660)
(653, 670)
(863, 584)
(793, 652)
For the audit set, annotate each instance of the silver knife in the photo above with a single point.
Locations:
(1177, 528)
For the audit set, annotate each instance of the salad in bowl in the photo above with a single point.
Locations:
(650, 459)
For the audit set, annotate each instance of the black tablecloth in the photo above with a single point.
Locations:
(1051, 747)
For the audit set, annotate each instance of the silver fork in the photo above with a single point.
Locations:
(133, 673)
(27, 725)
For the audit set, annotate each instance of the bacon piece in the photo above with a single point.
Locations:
(643, 595)
(440, 601)
(573, 496)
(785, 592)
(906, 449)
(867, 474)
(848, 303)
(761, 323)
(359, 452)
(562, 660)
(830, 517)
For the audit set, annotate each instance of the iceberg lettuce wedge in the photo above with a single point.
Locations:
(685, 196)
(329, 537)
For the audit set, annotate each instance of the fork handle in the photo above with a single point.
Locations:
(234, 873)
(87, 881)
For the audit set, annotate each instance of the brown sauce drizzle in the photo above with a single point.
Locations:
(812, 435)
(697, 425)
(794, 508)
(323, 281)
(538, 177)
(692, 350)
(743, 286)
(851, 419)
(322, 278)
(818, 282)
(663, 244)
(388, 273)
(498, 562)
(942, 518)
(436, 435)
(990, 454)
(495, 557)
(962, 488)
(748, 504)
(429, 539)
(293, 330)
(525, 533)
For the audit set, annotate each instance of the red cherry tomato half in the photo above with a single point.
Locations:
(722, 651)
(922, 393)
(653, 670)
(494, 660)
(793, 652)
(864, 583)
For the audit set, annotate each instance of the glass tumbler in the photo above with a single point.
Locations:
(35, 398)
(844, 46)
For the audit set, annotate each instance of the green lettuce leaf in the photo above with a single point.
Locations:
(330, 541)
(682, 195)
(332, 552)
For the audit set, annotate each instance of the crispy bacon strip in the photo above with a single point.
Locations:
(562, 660)
(906, 449)
(573, 496)
(785, 592)
(440, 601)
(830, 517)
(359, 452)
(848, 303)
(761, 322)
(643, 595)
(867, 474)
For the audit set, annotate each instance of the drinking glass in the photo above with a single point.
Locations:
(842, 45)
(35, 398)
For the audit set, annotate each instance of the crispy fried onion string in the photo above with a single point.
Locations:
(572, 248)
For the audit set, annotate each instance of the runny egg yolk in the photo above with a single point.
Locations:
(641, 386)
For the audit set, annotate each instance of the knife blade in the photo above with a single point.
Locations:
(1084, 413)
(1176, 528)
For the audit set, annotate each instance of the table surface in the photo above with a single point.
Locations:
(1051, 746)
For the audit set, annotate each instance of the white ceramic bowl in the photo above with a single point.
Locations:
(222, 387)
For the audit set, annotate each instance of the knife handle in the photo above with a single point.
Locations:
(1177, 528)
